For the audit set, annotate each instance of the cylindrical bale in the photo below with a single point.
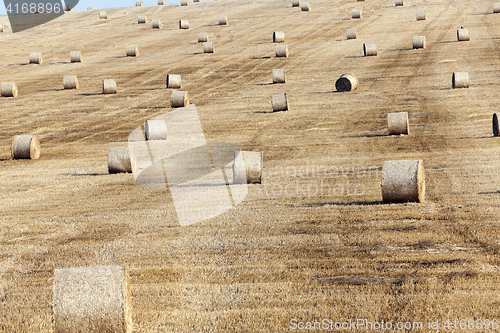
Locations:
(278, 37)
(142, 19)
(419, 42)
(463, 35)
(208, 47)
(247, 167)
(103, 15)
(184, 2)
(156, 129)
(397, 123)
(109, 86)
(179, 99)
(75, 56)
(295, 3)
(279, 102)
(403, 181)
(161, 2)
(202, 37)
(119, 160)
(25, 147)
(9, 89)
(1, 27)
(196, 1)
(35, 58)
(346, 82)
(351, 33)
(496, 7)
(92, 300)
(132, 51)
(173, 81)
(281, 51)
(369, 49)
(222, 20)
(70, 82)
(138, 3)
(460, 80)
(68, 7)
(156, 24)
(183, 24)
(495, 125)
(305, 7)
(90, 8)
(421, 15)
(279, 75)
(399, 3)
(356, 14)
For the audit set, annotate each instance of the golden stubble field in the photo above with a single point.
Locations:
(314, 241)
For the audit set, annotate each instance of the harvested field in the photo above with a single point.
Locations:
(314, 240)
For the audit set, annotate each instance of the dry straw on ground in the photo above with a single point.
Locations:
(463, 35)
(346, 82)
(183, 24)
(92, 300)
(281, 51)
(70, 82)
(247, 167)
(278, 37)
(356, 14)
(279, 102)
(369, 49)
(351, 33)
(403, 181)
(208, 47)
(109, 86)
(9, 89)
(25, 147)
(155, 129)
(202, 37)
(156, 24)
(419, 42)
(173, 81)
(397, 123)
(421, 15)
(279, 75)
(132, 51)
(179, 99)
(460, 80)
(119, 160)
(35, 58)
(75, 56)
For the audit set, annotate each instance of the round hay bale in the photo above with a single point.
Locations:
(247, 167)
(132, 51)
(92, 300)
(495, 125)
(208, 47)
(1, 27)
(403, 181)
(161, 2)
(142, 19)
(75, 56)
(202, 37)
(70, 82)
(305, 7)
(138, 3)
(399, 2)
(173, 81)
(397, 123)
(346, 82)
(183, 24)
(369, 49)
(279, 75)
(119, 160)
(421, 15)
(196, 1)
(9, 89)
(156, 129)
(351, 33)
(295, 3)
(103, 15)
(279, 102)
(496, 7)
(184, 2)
(156, 24)
(35, 58)
(278, 37)
(460, 80)
(25, 147)
(179, 99)
(356, 14)
(360, 0)
(68, 7)
(109, 86)
(419, 42)
(463, 35)
(281, 51)
(222, 20)
(90, 8)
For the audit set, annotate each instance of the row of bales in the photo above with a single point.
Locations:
(97, 299)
